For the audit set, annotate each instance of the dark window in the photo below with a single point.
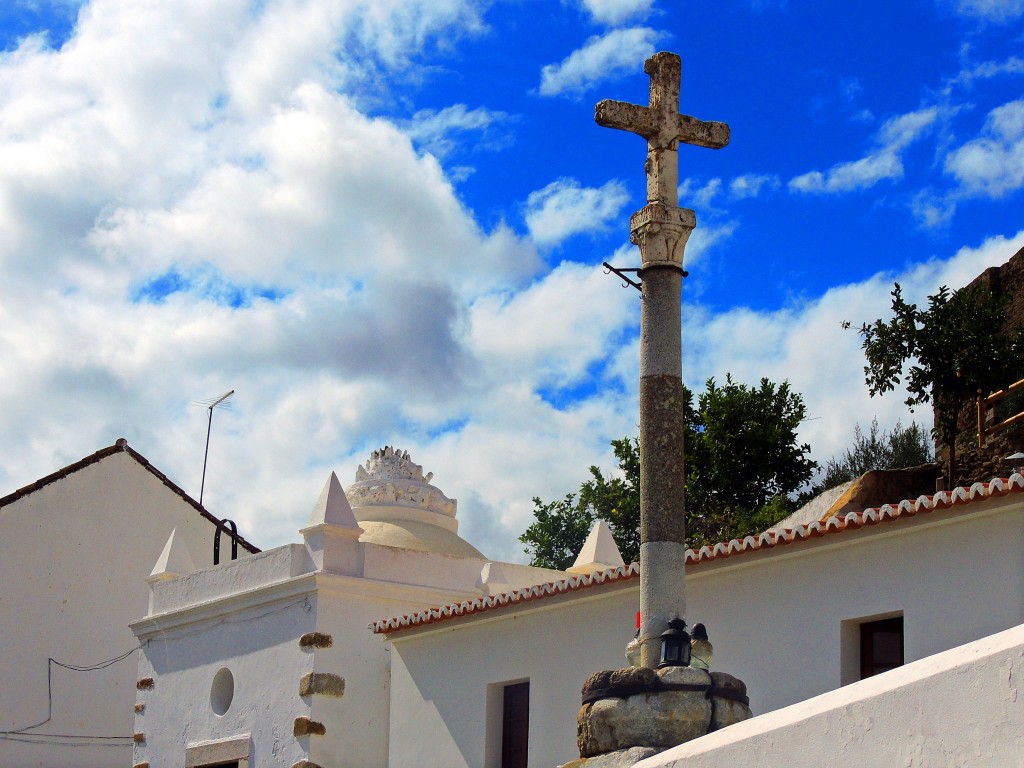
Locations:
(515, 725)
(881, 646)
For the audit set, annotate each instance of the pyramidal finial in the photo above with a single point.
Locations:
(599, 551)
(175, 559)
(332, 508)
(492, 580)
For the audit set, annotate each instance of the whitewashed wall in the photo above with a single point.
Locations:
(446, 684)
(73, 562)
(776, 619)
(248, 617)
(357, 723)
(258, 643)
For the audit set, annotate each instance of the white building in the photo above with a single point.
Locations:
(785, 611)
(269, 661)
(76, 548)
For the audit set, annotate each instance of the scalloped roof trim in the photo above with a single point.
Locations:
(851, 521)
(525, 594)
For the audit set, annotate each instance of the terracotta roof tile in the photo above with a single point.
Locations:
(833, 525)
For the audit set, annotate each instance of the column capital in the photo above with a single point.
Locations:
(661, 232)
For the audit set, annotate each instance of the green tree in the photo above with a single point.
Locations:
(742, 455)
(945, 354)
(878, 449)
(560, 527)
(744, 461)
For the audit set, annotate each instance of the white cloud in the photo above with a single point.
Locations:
(992, 165)
(557, 328)
(704, 194)
(986, 71)
(615, 12)
(146, 210)
(883, 164)
(998, 11)
(933, 210)
(435, 129)
(601, 58)
(699, 194)
(563, 208)
(807, 344)
(753, 185)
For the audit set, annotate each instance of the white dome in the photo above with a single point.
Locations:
(396, 506)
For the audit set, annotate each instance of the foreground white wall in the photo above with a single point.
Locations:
(73, 564)
(962, 707)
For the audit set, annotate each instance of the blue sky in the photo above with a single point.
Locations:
(383, 223)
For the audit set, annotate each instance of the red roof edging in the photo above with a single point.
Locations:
(852, 521)
(120, 446)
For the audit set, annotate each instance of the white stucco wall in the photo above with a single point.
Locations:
(73, 564)
(959, 708)
(776, 619)
(248, 616)
(357, 723)
(446, 684)
(257, 640)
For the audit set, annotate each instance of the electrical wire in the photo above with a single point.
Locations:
(84, 740)
(20, 734)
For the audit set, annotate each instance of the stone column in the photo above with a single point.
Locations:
(661, 232)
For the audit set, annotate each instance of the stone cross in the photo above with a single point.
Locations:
(662, 126)
(660, 229)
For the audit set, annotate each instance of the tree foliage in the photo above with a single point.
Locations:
(878, 449)
(944, 354)
(743, 462)
(742, 454)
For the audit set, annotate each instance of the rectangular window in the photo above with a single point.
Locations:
(515, 725)
(881, 646)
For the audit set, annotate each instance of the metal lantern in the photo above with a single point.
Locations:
(675, 645)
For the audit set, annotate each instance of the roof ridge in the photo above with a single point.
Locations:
(120, 446)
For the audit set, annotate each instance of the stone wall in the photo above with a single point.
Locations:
(979, 464)
(886, 486)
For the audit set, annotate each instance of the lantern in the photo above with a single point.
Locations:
(675, 645)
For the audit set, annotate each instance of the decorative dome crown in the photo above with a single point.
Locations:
(391, 479)
(396, 506)
(391, 464)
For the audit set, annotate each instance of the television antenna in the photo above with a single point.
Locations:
(221, 401)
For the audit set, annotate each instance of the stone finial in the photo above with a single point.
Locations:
(599, 551)
(175, 559)
(332, 508)
(390, 478)
(332, 533)
(492, 580)
(391, 464)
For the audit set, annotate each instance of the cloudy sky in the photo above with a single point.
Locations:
(382, 222)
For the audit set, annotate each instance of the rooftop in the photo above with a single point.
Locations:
(119, 446)
(888, 513)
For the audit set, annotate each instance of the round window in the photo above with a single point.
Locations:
(222, 691)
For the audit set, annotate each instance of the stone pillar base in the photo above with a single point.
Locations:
(630, 714)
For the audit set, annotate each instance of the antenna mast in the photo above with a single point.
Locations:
(220, 401)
